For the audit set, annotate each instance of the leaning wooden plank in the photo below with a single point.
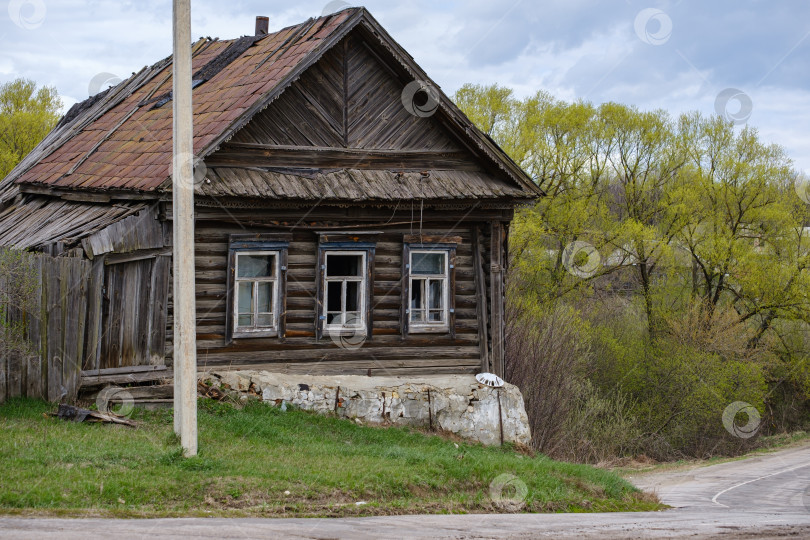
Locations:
(77, 414)
(126, 378)
(134, 392)
(122, 370)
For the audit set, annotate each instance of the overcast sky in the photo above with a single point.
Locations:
(676, 55)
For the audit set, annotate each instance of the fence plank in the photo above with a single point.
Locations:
(71, 294)
(33, 375)
(54, 333)
(84, 270)
(158, 309)
(94, 307)
(42, 344)
(14, 378)
(3, 371)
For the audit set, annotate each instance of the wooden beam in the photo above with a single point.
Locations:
(430, 239)
(137, 255)
(497, 296)
(316, 157)
(126, 378)
(481, 306)
(87, 195)
(122, 370)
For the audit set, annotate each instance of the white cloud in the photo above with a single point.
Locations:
(574, 49)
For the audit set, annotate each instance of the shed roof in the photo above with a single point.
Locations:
(121, 139)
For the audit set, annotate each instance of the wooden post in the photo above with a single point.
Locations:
(185, 347)
(497, 294)
(482, 310)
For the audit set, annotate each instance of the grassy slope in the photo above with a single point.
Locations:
(250, 457)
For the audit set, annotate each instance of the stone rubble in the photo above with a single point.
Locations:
(454, 403)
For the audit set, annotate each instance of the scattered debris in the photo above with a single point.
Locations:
(77, 414)
(206, 389)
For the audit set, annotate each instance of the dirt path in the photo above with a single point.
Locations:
(766, 496)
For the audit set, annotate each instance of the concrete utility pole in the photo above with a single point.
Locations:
(185, 347)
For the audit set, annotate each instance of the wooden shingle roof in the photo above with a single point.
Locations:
(121, 139)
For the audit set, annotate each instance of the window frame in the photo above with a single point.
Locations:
(449, 324)
(270, 244)
(367, 251)
(273, 279)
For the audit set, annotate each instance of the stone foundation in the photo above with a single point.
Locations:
(454, 403)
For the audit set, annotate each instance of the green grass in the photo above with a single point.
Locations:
(259, 461)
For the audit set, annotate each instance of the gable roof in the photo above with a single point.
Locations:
(121, 139)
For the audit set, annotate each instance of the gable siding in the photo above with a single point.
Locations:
(347, 78)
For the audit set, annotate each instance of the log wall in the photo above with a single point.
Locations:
(386, 351)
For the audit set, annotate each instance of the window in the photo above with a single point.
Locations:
(429, 276)
(345, 283)
(257, 269)
(345, 290)
(256, 291)
(428, 294)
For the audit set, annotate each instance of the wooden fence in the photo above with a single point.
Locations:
(56, 327)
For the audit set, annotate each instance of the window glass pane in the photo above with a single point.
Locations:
(245, 297)
(417, 315)
(417, 298)
(436, 316)
(265, 319)
(435, 295)
(334, 318)
(256, 265)
(427, 263)
(352, 295)
(265, 297)
(352, 318)
(245, 320)
(344, 265)
(333, 292)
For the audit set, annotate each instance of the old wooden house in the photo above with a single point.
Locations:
(349, 217)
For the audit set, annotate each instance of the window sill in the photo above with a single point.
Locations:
(336, 331)
(247, 334)
(425, 329)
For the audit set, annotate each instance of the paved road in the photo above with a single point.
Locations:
(761, 497)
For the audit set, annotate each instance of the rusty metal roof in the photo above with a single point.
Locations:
(123, 138)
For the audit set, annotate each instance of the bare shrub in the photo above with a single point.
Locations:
(544, 347)
(599, 428)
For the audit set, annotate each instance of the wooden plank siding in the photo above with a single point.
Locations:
(55, 329)
(348, 99)
(386, 351)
